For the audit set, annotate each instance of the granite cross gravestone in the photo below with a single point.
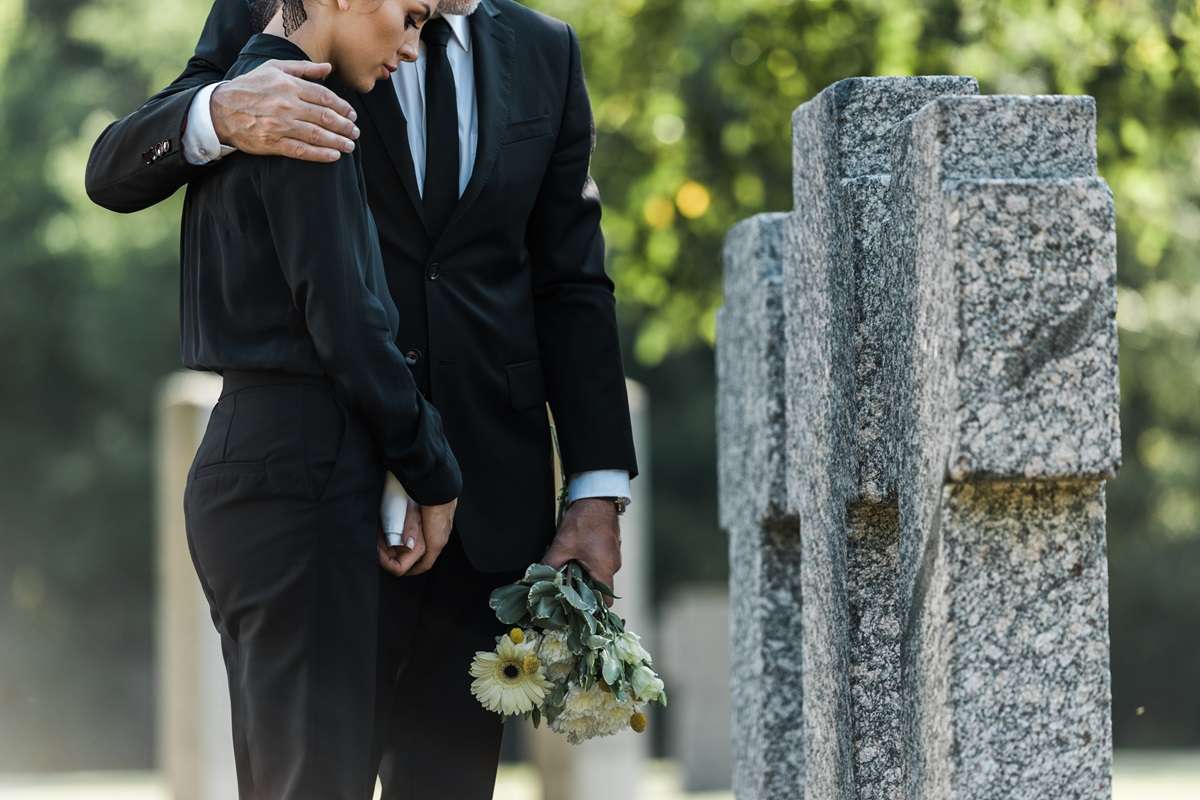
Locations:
(917, 411)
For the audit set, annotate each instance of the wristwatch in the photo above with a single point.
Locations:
(619, 502)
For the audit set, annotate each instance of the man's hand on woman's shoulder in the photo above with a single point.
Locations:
(277, 109)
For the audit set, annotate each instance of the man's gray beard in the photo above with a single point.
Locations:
(464, 7)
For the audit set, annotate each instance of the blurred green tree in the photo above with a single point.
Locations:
(692, 100)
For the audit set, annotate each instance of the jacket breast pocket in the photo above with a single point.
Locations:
(526, 389)
(524, 129)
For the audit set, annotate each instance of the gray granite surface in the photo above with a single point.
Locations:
(913, 485)
(764, 540)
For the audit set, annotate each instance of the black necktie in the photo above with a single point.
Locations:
(440, 193)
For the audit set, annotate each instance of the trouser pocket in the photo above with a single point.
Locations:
(292, 435)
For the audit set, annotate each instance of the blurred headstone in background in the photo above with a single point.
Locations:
(949, 419)
(693, 655)
(195, 751)
(612, 766)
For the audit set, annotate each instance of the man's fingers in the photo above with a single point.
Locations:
(339, 116)
(294, 148)
(304, 69)
(317, 136)
(337, 127)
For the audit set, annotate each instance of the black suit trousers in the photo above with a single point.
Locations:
(433, 739)
(338, 671)
(282, 509)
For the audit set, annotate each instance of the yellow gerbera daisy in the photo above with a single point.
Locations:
(508, 680)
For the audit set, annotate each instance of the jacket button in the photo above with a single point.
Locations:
(434, 271)
(412, 356)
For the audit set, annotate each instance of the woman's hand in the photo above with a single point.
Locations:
(276, 109)
(398, 559)
(436, 523)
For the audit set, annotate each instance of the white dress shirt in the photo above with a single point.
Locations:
(201, 145)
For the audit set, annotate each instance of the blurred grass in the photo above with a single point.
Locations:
(1137, 775)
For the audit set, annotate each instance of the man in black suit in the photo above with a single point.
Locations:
(490, 229)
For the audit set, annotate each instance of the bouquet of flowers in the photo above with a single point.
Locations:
(567, 658)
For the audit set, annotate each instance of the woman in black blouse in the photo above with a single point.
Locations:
(283, 292)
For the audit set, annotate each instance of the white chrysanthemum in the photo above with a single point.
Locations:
(647, 686)
(556, 657)
(590, 713)
(629, 648)
(510, 679)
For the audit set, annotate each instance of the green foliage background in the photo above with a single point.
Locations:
(692, 101)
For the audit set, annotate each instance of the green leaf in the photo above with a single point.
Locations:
(510, 602)
(589, 662)
(536, 716)
(545, 607)
(596, 643)
(610, 666)
(558, 617)
(576, 600)
(588, 595)
(602, 587)
(539, 572)
(543, 589)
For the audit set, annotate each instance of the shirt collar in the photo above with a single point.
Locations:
(462, 32)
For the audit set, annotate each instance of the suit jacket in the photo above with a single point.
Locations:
(509, 308)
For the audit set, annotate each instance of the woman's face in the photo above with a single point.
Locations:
(373, 36)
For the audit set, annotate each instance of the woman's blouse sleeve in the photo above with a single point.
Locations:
(328, 247)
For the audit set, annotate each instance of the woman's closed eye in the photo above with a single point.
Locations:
(411, 21)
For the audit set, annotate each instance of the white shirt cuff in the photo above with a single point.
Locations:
(200, 142)
(598, 483)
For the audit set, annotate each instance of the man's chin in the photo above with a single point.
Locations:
(463, 7)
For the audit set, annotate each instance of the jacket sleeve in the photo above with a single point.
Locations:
(574, 305)
(138, 160)
(329, 252)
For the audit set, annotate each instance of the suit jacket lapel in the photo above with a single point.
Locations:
(383, 107)
(492, 41)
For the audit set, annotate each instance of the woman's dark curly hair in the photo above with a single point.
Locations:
(293, 14)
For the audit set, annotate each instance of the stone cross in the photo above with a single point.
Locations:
(917, 409)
